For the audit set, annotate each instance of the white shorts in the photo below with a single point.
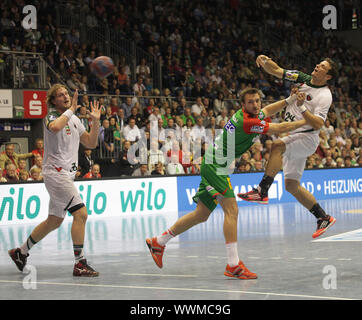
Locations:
(299, 147)
(62, 192)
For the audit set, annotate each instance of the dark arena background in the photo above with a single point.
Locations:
(180, 67)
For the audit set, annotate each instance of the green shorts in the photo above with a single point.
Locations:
(213, 186)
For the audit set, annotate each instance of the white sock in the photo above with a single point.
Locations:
(165, 237)
(232, 254)
(27, 245)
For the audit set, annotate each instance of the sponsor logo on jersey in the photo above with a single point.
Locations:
(67, 130)
(229, 127)
(257, 129)
(309, 97)
(291, 75)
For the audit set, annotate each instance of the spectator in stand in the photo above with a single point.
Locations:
(23, 175)
(142, 171)
(85, 162)
(122, 76)
(114, 105)
(155, 155)
(197, 107)
(174, 167)
(11, 175)
(243, 166)
(10, 156)
(159, 170)
(125, 161)
(73, 83)
(139, 87)
(136, 115)
(94, 172)
(198, 130)
(35, 174)
(131, 132)
(22, 163)
(222, 116)
(106, 138)
(348, 162)
(187, 115)
(219, 103)
(84, 117)
(39, 148)
(127, 107)
(120, 119)
(38, 163)
(143, 70)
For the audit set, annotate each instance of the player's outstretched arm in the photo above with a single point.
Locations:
(285, 126)
(275, 107)
(269, 66)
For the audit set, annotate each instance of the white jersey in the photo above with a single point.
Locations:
(318, 100)
(61, 148)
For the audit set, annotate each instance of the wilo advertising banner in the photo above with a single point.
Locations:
(28, 203)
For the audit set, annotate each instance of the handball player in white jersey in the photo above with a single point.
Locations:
(62, 133)
(291, 151)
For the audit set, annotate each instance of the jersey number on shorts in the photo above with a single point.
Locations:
(74, 167)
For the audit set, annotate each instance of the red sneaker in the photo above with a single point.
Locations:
(254, 196)
(156, 250)
(82, 269)
(240, 272)
(18, 258)
(323, 225)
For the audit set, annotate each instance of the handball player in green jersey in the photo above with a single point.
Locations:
(237, 136)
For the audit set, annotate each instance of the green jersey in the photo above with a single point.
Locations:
(237, 136)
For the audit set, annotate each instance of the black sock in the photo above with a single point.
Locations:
(265, 184)
(318, 212)
(28, 244)
(78, 252)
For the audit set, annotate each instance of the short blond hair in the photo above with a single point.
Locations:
(51, 93)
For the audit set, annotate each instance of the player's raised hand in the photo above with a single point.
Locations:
(261, 59)
(74, 104)
(300, 98)
(95, 112)
(293, 96)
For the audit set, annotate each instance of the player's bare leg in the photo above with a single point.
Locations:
(157, 245)
(304, 197)
(47, 226)
(19, 255)
(235, 267)
(199, 215)
(81, 267)
(300, 193)
(275, 162)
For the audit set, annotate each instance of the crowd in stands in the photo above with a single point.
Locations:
(207, 50)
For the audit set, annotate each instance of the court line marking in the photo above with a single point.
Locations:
(161, 275)
(181, 289)
(336, 237)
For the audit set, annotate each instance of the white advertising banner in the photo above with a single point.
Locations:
(28, 203)
(6, 104)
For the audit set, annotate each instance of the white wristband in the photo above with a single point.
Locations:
(290, 99)
(68, 113)
(302, 108)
